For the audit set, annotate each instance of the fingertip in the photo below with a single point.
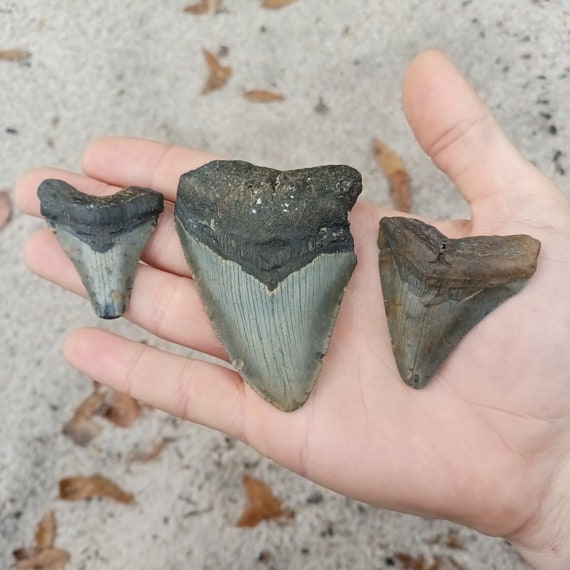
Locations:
(26, 189)
(436, 97)
(78, 346)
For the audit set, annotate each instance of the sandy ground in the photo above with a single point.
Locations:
(137, 68)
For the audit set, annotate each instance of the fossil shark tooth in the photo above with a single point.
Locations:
(103, 236)
(270, 253)
(436, 289)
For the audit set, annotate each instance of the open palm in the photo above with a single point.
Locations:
(486, 444)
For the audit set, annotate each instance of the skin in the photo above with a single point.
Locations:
(487, 444)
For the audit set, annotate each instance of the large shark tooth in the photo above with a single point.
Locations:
(103, 236)
(271, 253)
(436, 289)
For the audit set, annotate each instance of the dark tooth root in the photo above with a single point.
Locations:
(437, 289)
(103, 236)
(271, 253)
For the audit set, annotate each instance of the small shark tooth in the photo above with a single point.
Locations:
(436, 289)
(270, 253)
(103, 236)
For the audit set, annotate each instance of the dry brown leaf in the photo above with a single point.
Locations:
(5, 209)
(152, 453)
(197, 8)
(78, 488)
(394, 170)
(276, 4)
(218, 73)
(417, 562)
(45, 531)
(262, 503)
(80, 428)
(41, 558)
(263, 96)
(14, 54)
(203, 7)
(122, 410)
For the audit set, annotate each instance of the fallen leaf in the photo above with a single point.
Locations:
(276, 4)
(203, 7)
(394, 170)
(122, 410)
(80, 428)
(45, 531)
(218, 73)
(263, 96)
(152, 453)
(40, 558)
(410, 562)
(14, 54)
(78, 488)
(5, 209)
(200, 7)
(262, 503)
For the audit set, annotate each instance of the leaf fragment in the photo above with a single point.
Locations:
(197, 8)
(122, 410)
(41, 558)
(395, 172)
(276, 4)
(153, 452)
(410, 562)
(263, 96)
(218, 73)
(14, 54)
(262, 503)
(86, 487)
(80, 428)
(45, 531)
(5, 209)
(203, 7)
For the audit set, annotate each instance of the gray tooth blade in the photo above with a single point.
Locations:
(437, 289)
(271, 253)
(275, 339)
(103, 236)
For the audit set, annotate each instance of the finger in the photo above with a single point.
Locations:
(458, 132)
(140, 162)
(164, 304)
(163, 249)
(26, 189)
(201, 391)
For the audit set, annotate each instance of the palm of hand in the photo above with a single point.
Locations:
(474, 446)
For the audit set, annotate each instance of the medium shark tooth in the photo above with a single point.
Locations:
(271, 253)
(103, 236)
(436, 289)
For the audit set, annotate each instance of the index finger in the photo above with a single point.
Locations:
(123, 161)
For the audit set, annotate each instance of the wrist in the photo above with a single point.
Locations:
(545, 540)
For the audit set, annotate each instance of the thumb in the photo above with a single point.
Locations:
(458, 132)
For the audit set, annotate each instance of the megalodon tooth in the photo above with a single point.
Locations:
(436, 289)
(103, 236)
(271, 253)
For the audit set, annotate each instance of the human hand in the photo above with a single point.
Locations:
(487, 444)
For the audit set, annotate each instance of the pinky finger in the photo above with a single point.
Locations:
(199, 391)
